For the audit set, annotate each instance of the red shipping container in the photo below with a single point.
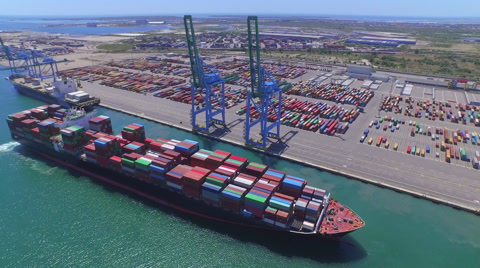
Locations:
(282, 217)
(220, 152)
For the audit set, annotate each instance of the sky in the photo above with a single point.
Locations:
(398, 8)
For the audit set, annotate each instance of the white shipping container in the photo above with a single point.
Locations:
(308, 225)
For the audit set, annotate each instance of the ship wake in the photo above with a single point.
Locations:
(8, 147)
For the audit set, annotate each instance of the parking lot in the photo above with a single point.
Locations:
(402, 136)
(434, 93)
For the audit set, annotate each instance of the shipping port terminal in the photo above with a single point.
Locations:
(343, 154)
(425, 176)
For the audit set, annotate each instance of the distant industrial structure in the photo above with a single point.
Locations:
(471, 39)
(365, 72)
(398, 40)
(381, 41)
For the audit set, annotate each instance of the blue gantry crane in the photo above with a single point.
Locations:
(44, 67)
(18, 60)
(263, 86)
(204, 78)
(32, 62)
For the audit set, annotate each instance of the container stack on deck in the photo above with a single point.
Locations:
(134, 132)
(74, 138)
(47, 129)
(101, 124)
(40, 113)
(193, 181)
(217, 178)
(244, 180)
(212, 188)
(255, 169)
(232, 197)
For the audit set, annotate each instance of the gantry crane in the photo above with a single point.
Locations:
(265, 88)
(33, 62)
(204, 77)
(19, 61)
(44, 67)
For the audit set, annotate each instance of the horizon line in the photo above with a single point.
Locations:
(239, 14)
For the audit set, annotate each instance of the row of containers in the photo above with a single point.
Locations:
(126, 80)
(460, 154)
(446, 144)
(452, 137)
(307, 115)
(37, 124)
(450, 153)
(331, 92)
(156, 65)
(460, 113)
(218, 178)
(241, 74)
(115, 74)
(237, 72)
(183, 94)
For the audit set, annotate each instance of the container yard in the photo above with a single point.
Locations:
(334, 93)
(307, 115)
(183, 94)
(122, 79)
(342, 154)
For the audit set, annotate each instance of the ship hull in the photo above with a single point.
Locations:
(161, 196)
(49, 98)
(26, 91)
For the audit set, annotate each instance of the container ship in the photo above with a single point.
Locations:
(212, 184)
(62, 91)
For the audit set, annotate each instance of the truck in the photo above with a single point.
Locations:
(379, 141)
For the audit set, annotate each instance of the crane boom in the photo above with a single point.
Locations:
(195, 61)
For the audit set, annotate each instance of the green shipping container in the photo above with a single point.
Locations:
(128, 162)
(279, 205)
(258, 165)
(215, 181)
(256, 199)
(142, 162)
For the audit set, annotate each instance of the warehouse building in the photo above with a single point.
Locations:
(365, 72)
(397, 40)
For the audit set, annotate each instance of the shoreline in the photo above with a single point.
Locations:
(349, 175)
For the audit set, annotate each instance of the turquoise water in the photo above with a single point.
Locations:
(52, 217)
